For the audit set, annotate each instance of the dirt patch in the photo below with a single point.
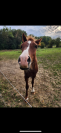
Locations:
(47, 93)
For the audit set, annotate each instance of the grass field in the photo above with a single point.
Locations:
(47, 82)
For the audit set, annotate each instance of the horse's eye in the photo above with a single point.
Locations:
(35, 46)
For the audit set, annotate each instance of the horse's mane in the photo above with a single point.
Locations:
(31, 38)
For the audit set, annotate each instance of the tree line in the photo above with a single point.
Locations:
(48, 42)
(12, 39)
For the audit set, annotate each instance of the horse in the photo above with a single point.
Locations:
(28, 61)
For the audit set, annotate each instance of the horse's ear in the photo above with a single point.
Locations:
(38, 41)
(24, 38)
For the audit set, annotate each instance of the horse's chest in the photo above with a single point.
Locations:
(30, 73)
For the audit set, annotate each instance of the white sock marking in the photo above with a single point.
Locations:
(27, 98)
(33, 90)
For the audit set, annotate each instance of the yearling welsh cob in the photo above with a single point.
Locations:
(28, 61)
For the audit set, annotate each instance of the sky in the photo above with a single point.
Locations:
(53, 31)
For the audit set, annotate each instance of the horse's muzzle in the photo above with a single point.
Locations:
(24, 68)
(24, 64)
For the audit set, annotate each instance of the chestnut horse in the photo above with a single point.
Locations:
(28, 61)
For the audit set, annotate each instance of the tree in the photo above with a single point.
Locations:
(42, 44)
(1, 39)
(46, 40)
(10, 39)
(20, 45)
(57, 42)
(31, 35)
(60, 44)
(51, 43)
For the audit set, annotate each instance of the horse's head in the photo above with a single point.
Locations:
(28, 47)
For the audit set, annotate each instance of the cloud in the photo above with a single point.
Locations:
(1, 27)
(53, 31)
(35, 30)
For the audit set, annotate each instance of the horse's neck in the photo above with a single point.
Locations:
(34, 64)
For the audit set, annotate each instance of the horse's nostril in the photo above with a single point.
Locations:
(19, 60)
(28, 60)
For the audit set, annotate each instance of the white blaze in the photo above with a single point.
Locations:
(29, 42)
(26, 52)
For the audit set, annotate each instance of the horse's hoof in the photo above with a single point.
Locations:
(33, 91)
(26, 98)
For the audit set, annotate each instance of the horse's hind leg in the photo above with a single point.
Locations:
(32, 91)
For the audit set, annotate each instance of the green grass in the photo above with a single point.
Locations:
(50, 58)
(14, 54)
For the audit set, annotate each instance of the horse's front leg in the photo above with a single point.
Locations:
(27, 86)
(33, 91)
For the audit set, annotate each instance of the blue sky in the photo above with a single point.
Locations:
(54, 31)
